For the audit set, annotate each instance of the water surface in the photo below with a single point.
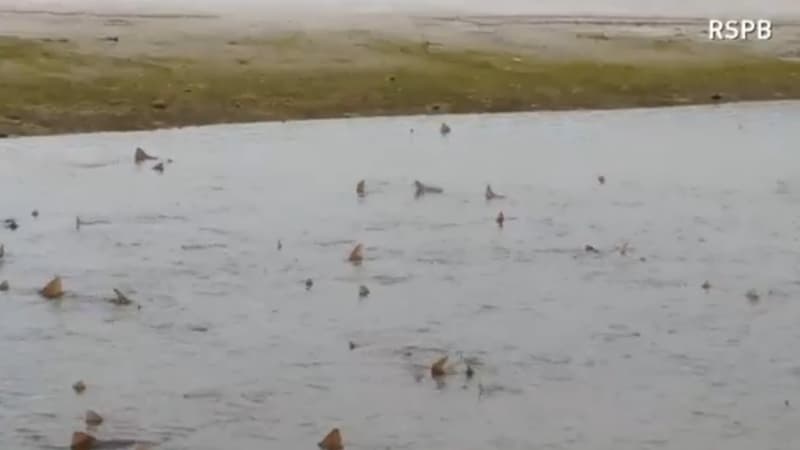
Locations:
(572, 351)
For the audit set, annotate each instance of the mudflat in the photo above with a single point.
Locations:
(81, 72)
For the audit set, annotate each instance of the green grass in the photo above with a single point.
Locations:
(52, 88)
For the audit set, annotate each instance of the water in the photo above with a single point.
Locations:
(573, 350)
(681, 8)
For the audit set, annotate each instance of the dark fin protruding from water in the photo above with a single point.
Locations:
(141, 156)
(491, 195)
(361, 190)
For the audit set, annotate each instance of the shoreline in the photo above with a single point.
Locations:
(89, 73)
(409, 116)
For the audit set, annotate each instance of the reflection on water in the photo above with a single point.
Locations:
(572, 350)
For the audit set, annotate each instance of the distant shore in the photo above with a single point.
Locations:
(65, 73)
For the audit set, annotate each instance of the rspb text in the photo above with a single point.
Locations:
(739, 29)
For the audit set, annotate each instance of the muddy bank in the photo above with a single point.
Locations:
(82, 73)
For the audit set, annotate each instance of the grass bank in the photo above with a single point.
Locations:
(58, 86)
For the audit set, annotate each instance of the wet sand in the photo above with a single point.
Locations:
(61, 74)
(573, 350)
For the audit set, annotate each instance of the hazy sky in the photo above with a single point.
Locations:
(749, 8)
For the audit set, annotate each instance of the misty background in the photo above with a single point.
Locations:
(768, 9)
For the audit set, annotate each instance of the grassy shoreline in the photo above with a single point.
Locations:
(56, 86)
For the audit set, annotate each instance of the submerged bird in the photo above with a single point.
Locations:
(706, 285)
(159, 167)
(363, 291)
(752, 295)
(4, 286)
(490, 194)
(309, 284)
(361, 188)
(140, 156)
(444, 129)
(2, 250)
(601, 179)
(35, 213)
(11, 224)
(422, 189)
(500, 219)
(280, 246)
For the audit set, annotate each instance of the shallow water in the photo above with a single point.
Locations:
(572, 350)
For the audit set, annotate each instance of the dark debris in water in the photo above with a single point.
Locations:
(203, 394)
(79, 386)
(489, 390)
(335, 243)
(388, 280)
(192, 247)
(11, 224)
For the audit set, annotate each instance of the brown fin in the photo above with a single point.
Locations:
(332, 441)
(82, 441)
(438, 369)
(53, 289)
(93, 419)
(357, 255)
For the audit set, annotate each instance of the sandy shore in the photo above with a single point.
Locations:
(69, 72)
